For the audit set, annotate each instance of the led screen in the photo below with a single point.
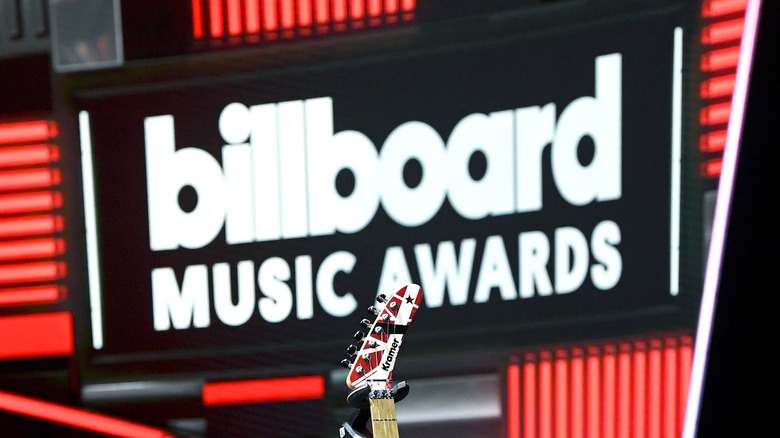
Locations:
(531, 181)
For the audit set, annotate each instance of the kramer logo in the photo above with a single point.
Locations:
(391, 355)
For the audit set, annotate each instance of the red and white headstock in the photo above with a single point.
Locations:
(375, 359)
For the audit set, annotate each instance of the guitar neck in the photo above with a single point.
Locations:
(383, 419)
(372, 364)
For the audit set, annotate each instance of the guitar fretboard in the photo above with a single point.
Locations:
(383, 421)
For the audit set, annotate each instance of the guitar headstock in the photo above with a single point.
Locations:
(378, 351)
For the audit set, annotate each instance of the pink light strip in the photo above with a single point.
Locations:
(720, 222)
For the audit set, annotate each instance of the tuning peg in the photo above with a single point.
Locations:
(372, 310)
(346, 363)
(381, 298)
(365, 323)
(351, 349)
(359, 335)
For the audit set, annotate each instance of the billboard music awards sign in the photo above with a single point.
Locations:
(523, 181)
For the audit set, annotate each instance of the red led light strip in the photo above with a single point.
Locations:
(31, 295)
(529, 399)
(241, 21)
(27, 131)
(717, 8)
(31, 249)
(36, 335)
(76, 417)
(630, 389)
(561, 394)
(28, 154)
(30, 202)
(723, 31)
(593, 392)
(609, 395)
(513, 400)
(263, 390)
(29, 178)
(577, 394)
(721, 37)
(29, 225)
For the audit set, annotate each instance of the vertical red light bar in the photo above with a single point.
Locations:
(561, 394)
(391, 6)
(215, 18)
(235, 26)
(529, 396)
(374, 7)
(686, 360)
(640, 389)
(624, 391)
(356, 9)
(408, 5)
(670, 389)
(197, 19)
(322, 11)
(577, 394)
(513, 400)
(252, 14)
(545, 395)
(610, 390)
(304, 13)
(593, 393)
(339, 10)
(287, 13)
(269, 16)
(654, 388)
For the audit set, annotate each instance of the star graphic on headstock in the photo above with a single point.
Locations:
(409, 299)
